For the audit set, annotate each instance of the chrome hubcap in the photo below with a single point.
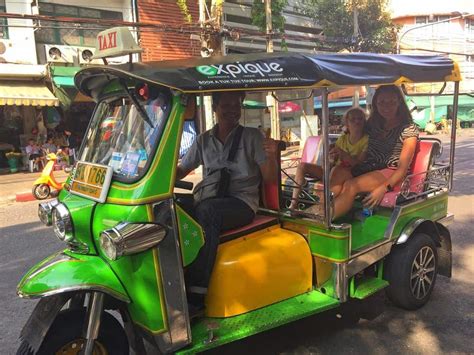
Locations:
(43, 190)
(422, 272)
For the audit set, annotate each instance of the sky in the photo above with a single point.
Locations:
(419, 7)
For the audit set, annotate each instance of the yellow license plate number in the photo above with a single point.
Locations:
(90, 174)
(91, 180)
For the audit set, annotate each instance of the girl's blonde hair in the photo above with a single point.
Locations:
(354, 110)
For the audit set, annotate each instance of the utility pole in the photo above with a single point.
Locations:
(211, 45)
(215, 40)
(274, 117)
(268, 18)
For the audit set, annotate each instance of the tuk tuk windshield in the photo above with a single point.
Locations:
(120, 137)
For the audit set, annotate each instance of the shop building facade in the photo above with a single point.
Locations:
(443, 28)
(38, 60)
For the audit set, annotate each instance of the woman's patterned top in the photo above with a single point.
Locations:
(385, 147)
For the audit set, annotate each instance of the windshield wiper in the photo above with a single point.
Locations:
(139, 107)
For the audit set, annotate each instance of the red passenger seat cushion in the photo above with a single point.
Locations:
(420, 164)
(271, 195)
(259, 222)
(311, 151)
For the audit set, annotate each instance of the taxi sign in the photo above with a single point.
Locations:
(91, 181)
(115, 42)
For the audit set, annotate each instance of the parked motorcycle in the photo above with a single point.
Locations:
(43, 185)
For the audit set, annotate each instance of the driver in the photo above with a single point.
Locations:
(255, 159)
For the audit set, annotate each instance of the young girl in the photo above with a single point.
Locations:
(349, 150)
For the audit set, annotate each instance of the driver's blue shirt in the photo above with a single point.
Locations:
(208, 151)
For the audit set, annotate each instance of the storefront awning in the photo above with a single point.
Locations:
(444, 100)
(26, 93)
(63, 86)
(64, 81)
(64, 76)
(337, 103)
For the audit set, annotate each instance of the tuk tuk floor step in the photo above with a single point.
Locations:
(234, 328)
(368, 287)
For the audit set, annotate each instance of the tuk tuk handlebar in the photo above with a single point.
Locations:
(186, 185)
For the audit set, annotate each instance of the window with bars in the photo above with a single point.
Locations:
(433, 29)
(53, 32)
(419, 20)
(470, 26)
(3, 21)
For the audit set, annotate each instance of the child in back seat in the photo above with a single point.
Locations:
(349, 150)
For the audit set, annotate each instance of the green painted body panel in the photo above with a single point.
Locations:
(140, 273)
(431, 209)
(368, 231)
(238, 327)
(329, 244)
(158, 181)
(81, 210)
(191, 236)
(81, 270)
(366, 287)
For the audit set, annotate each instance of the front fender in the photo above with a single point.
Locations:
(440, 235)
(42, 180)
(63, 272)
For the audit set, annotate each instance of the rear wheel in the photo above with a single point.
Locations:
(65, 335)
(411, 271)
(41, 191)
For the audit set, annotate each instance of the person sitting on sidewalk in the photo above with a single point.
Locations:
(35, 154)
(49, 146)
(254, 159)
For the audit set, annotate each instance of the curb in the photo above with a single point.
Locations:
(24, 197)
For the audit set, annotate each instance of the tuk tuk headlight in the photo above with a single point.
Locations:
(62, 224)
(130, 238)
(45, 211)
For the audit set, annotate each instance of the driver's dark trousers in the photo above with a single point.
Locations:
(214, 215)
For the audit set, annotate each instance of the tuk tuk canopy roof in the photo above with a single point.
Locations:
(261, 71)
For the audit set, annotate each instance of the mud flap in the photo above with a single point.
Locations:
(40, 321)
(444, 251)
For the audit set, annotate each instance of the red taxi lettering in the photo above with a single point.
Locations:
(109, 41)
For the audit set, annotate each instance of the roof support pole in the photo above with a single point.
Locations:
(454, 124)
(326, 166)
(271, 101)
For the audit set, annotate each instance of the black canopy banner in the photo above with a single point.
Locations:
(262, 71)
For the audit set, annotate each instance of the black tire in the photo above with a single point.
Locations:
(411, 270)
(41, 191)
(66, 333)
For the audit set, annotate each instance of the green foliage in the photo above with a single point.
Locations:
(278, 20)
(183, 6)
(376, 32)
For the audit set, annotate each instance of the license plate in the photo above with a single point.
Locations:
(91, 180)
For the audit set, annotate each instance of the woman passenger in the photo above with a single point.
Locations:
(350, 149)
(392, 142)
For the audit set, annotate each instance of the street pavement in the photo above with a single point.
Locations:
(444, 326)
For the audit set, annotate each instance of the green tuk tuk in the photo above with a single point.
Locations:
(128, 243)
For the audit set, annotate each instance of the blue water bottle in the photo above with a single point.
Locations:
(367, 212)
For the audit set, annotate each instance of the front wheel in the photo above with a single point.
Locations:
(411, 271)
(41, 191)
(65, 335)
